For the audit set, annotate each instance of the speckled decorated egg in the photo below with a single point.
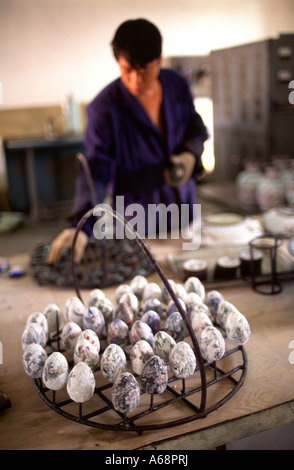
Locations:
(175, 326)
(153, 304)
(163, 343)
(40, 319)
(94, 297)
(33, 333)
(118, 333)
(125, 393)
(181, 292)
(164, 292)
(182, 360)
(34, 359)
(152, 319)
(75, 311)
(192, 300)
(55, 371)
(69, 335)
(237, 328)
(223, 311)
(193, 284)
(138, 284)
(92, 337)
(68, 303)
(121, 289)
(124, 312)
(212, 300)
(140, 353)
(212, 344)
(80, 383)
(154, 376)
(106, 307)
(199, 321)
(130, 299)
(86, 352)
(151, 290)
(94, 320)
(54, 318)
(140, 330)
(113, 362)
(172, 307)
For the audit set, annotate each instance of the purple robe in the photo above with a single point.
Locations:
(127, 153)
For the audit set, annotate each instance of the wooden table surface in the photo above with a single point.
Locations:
(265, 400)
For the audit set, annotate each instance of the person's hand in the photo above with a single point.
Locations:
(180, 169)
(63, 241)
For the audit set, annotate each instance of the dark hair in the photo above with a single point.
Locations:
(138, 41)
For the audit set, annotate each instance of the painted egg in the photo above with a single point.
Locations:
(92, 337)
(55, 371)
(237, 328)
(69, 335)
(153, 304)
(152, 319)
(212, 300)
(181, 292)
(164, 292)
(80, 383)
(182, 360)
(40, 319)
(124, 312)
(113, 362)
(172, 307)
(125, 393)
(118, 333)
(193, 284)
(140, 330)
(223, 311)
(86, 352)
(106, 308)
(34, 359)
(175, 326)
(130, 299)
(199, 321)
(192, 300)
(76, 311)
(54, 318)
(212, 344)
(140, 353)
(94, 297)
(120, 291)
(151, 290)
(154, 376)
(138, 284)
(201, 308)
(67, 307)
(163, 343)
(33, 333)
(94, 320)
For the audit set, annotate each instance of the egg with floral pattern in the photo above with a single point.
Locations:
(175, 326)
(153, 304)
(118, 333)
(182, 360)
(213, 300)
(193, 284)
(113, 362)
(152, 319)
(140, 353)
(163, 343)
(125, 393)
(69, 335)
(55, 371)
(237, 328)
(33, 333)
(224, 309)
(93, 319)
(212, 344)
(199, 321)
(140, 330)
(124, 312)
(54, 318)
(40, 319)
(34, 359)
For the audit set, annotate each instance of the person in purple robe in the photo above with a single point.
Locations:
(144, 138)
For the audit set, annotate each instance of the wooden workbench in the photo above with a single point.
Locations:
(265, 400)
